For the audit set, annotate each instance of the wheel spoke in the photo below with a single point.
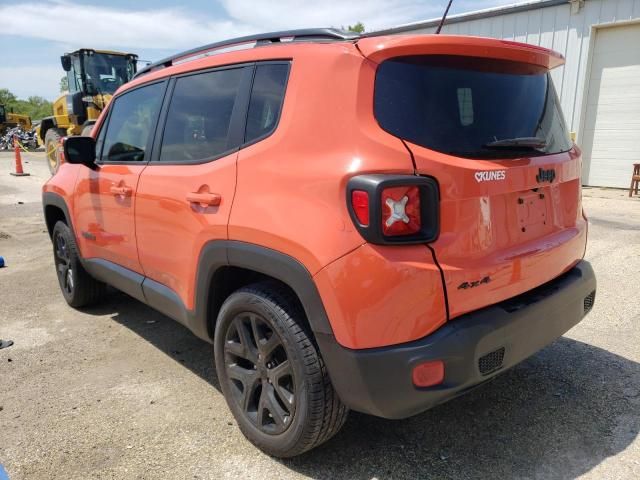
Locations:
(245, 338)
(236, 348)
(277, 374)
(267, 346)
(261, 408)
(67, 287)
(287, 397)
(249, 379)
(278, 414)
(244, 375)
(254, 329)
(280, 371)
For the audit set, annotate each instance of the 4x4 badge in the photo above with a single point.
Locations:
(546, 175)
(474, 284)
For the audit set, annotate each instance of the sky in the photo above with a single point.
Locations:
(35, 33)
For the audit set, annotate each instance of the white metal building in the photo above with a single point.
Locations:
(599, 85)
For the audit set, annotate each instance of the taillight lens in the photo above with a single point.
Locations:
(401, 210)
(392, 209)
(360, 204)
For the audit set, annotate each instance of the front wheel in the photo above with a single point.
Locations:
(78, 288)
(51, 142)
(271, 373)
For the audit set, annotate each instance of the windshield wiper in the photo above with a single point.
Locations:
(518, 142)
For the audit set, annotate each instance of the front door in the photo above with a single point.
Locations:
(106, 196)
(185, 193)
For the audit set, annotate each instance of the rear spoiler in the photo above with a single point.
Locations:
(382, 48)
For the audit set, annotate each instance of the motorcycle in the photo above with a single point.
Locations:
(26, 138)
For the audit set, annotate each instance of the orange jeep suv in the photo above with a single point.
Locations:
(376, 223)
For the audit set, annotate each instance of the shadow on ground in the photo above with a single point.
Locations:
(557, 415)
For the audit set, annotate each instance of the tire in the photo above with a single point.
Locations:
(277, 387)
(78, 288)
(51, 141)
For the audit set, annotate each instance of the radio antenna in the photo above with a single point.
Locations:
(444, 17)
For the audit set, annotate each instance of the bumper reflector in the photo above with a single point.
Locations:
(428, 374)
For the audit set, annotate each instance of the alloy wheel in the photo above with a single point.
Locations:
(63, 263)
(260, 373)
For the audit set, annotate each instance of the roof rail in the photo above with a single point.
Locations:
(307, 34)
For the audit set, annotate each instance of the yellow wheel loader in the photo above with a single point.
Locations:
(93, 77)
(10, 120)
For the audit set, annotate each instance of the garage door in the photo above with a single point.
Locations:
(611, 140)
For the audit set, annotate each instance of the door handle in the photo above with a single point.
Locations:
(124, 191)
(211, 199)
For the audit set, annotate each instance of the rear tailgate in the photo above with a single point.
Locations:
(481, 116)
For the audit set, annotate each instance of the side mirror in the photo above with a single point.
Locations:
(65, 60)
(80, 150)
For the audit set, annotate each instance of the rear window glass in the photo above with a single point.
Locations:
(266, 100)
(473, 108)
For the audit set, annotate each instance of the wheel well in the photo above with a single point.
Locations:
(227, 280)
(52, 215)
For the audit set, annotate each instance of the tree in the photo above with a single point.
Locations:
(6, 97)
(64, 84)
(358, 28)
(36, 107)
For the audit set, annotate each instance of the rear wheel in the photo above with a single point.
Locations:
(271, 373)
(78, 287)
(51, 142)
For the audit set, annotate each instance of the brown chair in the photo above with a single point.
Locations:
(635, 179)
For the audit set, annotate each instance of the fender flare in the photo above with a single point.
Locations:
(231, 253)
(55, 200)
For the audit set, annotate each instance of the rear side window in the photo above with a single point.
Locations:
(266, 100)
(470, 107)
(199, 116)
(132, 117)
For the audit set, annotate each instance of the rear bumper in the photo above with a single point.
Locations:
(378, 381)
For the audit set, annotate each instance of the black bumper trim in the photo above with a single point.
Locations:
(378, 381)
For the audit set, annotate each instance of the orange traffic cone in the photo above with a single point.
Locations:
(19, 171)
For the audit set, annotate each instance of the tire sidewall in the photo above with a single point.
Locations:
(64, 231)
(52, 137)
(240, 302)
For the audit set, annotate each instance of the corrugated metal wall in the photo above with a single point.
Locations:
(558, 28)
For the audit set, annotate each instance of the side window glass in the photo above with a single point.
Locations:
(266, 100)
(100, 138)
(199, 116)
(130, 124)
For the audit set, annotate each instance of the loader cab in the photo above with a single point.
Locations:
(93, 77)
(92, 72)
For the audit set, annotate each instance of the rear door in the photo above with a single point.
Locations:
(491, 132)
(186, 192)
(105, 197)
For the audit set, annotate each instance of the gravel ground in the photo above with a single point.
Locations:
(121, 391)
